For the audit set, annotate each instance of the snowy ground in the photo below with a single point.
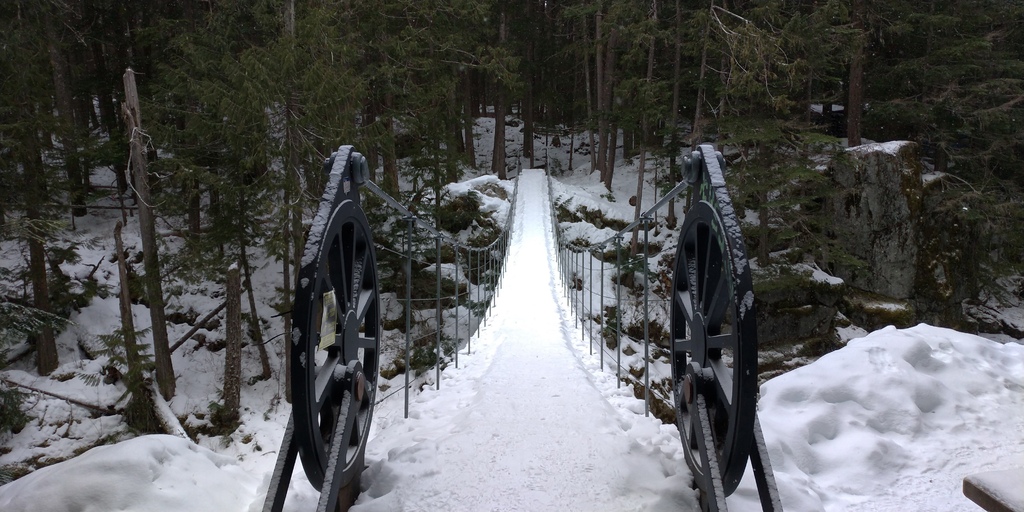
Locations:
(530, 421)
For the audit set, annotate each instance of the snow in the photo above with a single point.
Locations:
(149, 473)
(891, 147)
(524, 425)
(1003, 486)
(531, 421)
(818, 275)
(898, 417)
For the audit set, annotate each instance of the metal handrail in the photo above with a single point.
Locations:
(572, 264)
(489, 270)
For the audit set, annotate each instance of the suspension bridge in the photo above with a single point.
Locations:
(527, 426)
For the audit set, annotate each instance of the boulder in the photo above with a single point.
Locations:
(876, 213)
(910, 241)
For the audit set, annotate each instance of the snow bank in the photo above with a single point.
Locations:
(149, 473)
(894, 418)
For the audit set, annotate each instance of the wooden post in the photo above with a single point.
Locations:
(233, 347)
(147, 229)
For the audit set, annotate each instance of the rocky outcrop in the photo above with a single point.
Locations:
(902, 237)
(877, 212)
(795, 303)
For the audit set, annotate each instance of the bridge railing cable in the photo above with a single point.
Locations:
(478, 268)
(577, 261)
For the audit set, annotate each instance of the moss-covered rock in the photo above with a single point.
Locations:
(795, 303)
(874, 311)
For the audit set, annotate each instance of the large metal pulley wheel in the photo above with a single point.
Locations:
(335, 344)
(714, 330)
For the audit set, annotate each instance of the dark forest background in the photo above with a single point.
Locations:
(241, 100)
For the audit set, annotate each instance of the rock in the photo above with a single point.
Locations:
(872, 311)
(907, 239)
(877, 213)
(794, 303)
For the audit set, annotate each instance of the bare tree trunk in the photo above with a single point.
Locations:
(528, 127)
(468, 120)
(855, 101)
(643, 135)
(572, 147)
(254, 319)
(602, 117)
(232, 349)
(194, 209)
(46, 347)
(147, 228)
(609, 162)
(390, 157)
(698, 111)
(105, 99)
(498, 156)
(139, 413)
(35, 187)
(670, 218)
(498, 159)
(291, 218)
(65, 109)
(32, 165)
(590, 111)
(612, 132)
(127, 319)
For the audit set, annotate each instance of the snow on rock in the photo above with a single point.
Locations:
(891, 147)
(149, 473)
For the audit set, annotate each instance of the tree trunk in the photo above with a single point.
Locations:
(468, 121)
(590, 110)
(697, 134)
(139, 412)
(127, 319)
(232, 350)
(291, 219)
(612, 133)
(528, 127)
(65, 109)
(673, 173)
(643, 133)
(498, 158)
(104, 95)
(602, 116)
(609, 163)
(390, 157)
(46, 346)
(855, 101)
(254, 319)
(147, 228)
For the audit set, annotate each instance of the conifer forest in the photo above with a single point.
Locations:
(216, 116)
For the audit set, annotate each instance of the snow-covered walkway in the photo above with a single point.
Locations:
(892, 421)
(523, 425)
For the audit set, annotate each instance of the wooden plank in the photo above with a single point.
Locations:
(997, 491)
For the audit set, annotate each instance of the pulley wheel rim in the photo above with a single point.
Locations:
(344, 263)
(713, 321)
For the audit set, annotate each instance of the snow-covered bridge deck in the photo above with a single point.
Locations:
(526, 423)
